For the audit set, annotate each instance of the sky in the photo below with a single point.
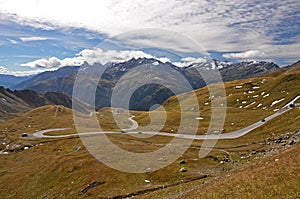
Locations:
(39, 35)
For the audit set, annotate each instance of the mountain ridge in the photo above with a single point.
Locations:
(15, 102)
(63, 79)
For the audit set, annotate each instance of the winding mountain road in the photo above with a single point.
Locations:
(230, 135)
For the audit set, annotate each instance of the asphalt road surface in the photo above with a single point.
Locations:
(230, 135)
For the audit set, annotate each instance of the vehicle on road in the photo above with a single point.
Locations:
(24, 135)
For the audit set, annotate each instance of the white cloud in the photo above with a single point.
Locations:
(156, 38)
(28, 39)
(188, 61)
(52, 62)
(5, 71)
(91, 56)
(99, 56)
(163, 59)
(12, 41)
(251, 54)
(229, 25)
(29, 72)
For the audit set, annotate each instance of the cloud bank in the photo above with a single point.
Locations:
(224, 26)
(252, 54)
(92, 56)
(188, 61)
(5, 71)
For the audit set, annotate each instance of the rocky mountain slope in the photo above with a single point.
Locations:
(150, 94)
(13, 103)
(44, 77)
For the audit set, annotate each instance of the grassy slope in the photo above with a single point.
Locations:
(280, 85)
(273, 177)
(55, 170)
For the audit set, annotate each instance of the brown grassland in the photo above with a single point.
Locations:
(53, 168)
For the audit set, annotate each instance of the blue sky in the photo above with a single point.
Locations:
(20, 43)
(37, 35)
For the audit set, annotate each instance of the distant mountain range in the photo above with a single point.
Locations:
(62, 80)
(9, 81)
(15, 102)
(233, 71)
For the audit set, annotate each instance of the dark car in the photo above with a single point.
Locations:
(263, 120)
(24, 135)
(123, 131)
(292, 105)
